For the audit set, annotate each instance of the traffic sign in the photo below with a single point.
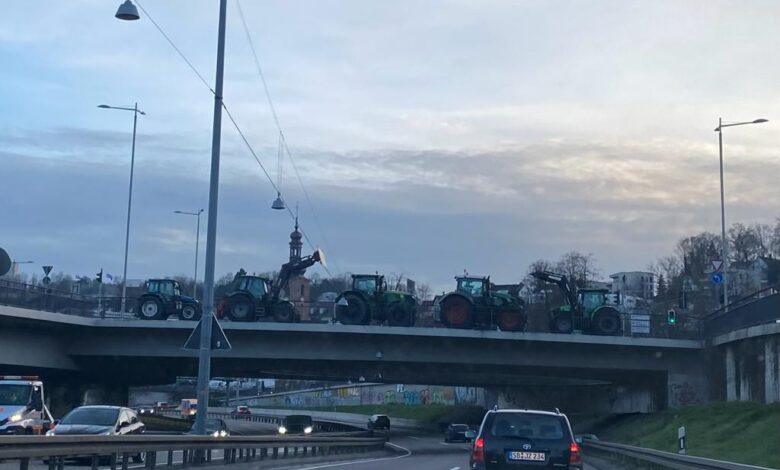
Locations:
(717, 264)
(46, 280)
(47, 269)
(218, 339)
(717, 277)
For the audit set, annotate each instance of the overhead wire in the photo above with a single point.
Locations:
(232, 120)
(279, 126)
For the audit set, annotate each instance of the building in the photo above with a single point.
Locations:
(746, 278)
(634, 283)
(298, 288)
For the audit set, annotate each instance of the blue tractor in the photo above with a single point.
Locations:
(163, 298)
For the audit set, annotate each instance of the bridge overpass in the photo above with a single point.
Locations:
(132, 352)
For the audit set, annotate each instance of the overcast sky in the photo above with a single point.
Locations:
(432, 136)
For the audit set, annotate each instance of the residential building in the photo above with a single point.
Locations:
(634, 283)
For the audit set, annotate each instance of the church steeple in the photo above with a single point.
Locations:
(295, 243)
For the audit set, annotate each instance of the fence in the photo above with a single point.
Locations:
(761, 306)
(119, 450)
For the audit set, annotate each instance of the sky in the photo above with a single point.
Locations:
(431, 136)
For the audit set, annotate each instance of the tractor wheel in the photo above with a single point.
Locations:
(457, 312)
(399, 315)
(284, 313)
(150, 308)
(562, 323)
(355, 312)
(606, 321)
(189, 312)
(511, 320)
(241, 309)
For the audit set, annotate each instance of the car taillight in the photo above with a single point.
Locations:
(574, 453)
(478, 452)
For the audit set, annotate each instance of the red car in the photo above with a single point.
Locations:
(241, 411)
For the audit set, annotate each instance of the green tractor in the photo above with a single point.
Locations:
(163, 298)
(256, 297)
(477, 303)
(370, 300)
(586, 310)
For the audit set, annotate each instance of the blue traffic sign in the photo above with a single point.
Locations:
(717, 277)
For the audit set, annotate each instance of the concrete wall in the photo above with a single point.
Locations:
(374, 394)
(583, 399)
(750, 364)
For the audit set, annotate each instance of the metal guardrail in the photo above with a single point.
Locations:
(640, 457)
(119, 450)
(319, 425)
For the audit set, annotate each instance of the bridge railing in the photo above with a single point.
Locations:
(641, 457)
(756, 308)
(190, 450)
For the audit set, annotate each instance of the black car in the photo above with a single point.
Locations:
(525, 439)
(296, 424)
(215, 427)
(456, 432)
(378, 422)
(100, 420)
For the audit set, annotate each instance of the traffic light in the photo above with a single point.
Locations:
(99, 276)
(671, 317)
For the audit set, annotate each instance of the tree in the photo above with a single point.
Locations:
(423, 292)
(697, 253)
(578, 267)
(744, 243)
(532, 283)
(661, 287)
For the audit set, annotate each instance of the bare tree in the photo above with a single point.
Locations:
(532, 283)
(423, 291)
(578, 266)
(744, 242)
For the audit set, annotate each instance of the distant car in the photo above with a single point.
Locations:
(296, 424)
(521, 439)
(146, 410)
(241, 411)
(456, 432)
(584, 437)
(215, 427)
(378, 422)
(100, 420)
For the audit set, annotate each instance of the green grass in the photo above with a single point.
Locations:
(741, 432)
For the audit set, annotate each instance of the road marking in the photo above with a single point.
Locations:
(407, 454)
(415, 437)
(455, 468)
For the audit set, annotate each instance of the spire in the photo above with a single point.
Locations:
(295, 241)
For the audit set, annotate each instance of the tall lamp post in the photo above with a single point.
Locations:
(724, 243)
(197, 246)
(136, 112)
(128, 11)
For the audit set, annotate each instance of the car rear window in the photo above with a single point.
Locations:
(525, 425)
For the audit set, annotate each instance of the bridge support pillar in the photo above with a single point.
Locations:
(731, 374)
(771, 369)
(744, 379)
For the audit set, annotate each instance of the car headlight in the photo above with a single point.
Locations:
(307, 430)
(50, 432)
(15, 418)
(215, 434)
(282, 429)
(223, 433)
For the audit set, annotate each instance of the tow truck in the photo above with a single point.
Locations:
(22, 408)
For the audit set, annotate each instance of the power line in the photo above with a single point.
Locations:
(232, 119)
(279, 127)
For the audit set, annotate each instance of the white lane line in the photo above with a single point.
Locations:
(455, 468)
(415, 437)
(329, 465)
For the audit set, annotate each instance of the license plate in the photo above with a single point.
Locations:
(532, 456)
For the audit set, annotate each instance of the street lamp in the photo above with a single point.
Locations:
(724, 243)
(136, 112)
(204, 356)
(197, 246)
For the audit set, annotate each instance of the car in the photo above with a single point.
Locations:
(215, 427)
(378, 422)
(100, 420)
(296, 424)
(241, 411)
(524, 439)
(456, 432)
(146, 410)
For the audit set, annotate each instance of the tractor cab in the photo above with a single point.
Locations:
(255, 285)
(368, 283)
(592, 298)
(163, 286)
(473, 286)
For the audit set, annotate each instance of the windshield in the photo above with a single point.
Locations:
(297, 420)
(365, 284)
(254, 285)
(14, 395)
(525, 425)
(92, 416)
(470, 286)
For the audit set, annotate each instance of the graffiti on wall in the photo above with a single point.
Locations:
(683, 394)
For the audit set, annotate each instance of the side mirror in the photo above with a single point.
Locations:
(578, 439)
(470, 434)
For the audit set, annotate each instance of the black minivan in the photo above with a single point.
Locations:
(525, 439)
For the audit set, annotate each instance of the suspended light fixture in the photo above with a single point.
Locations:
(279, 202)
(127, 11)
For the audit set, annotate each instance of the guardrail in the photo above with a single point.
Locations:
(640, 457)
(318, 424)
(118, 451)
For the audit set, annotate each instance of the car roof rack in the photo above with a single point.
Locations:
(557, 411)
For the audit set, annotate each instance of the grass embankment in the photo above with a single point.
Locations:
(741, 432)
